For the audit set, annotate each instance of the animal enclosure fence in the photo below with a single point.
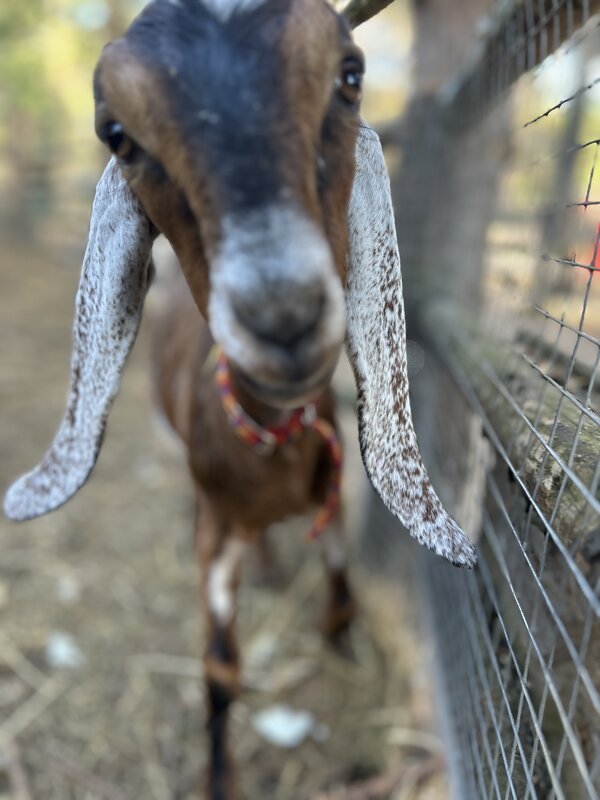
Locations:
(497, 199)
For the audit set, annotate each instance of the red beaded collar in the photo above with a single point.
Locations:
(266, 440)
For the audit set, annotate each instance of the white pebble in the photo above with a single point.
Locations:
(283, 726)
(63, 652)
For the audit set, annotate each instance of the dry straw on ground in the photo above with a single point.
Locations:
(108, 584)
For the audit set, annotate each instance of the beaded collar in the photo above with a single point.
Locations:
(265, 440)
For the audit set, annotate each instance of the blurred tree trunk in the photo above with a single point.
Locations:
(19, 212)
(428, 209)
(444, 33)
(29, 156)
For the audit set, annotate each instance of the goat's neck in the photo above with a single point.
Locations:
(265, 415)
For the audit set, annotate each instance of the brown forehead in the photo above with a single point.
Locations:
(313, 34)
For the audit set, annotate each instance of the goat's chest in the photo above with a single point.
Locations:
(249, 488)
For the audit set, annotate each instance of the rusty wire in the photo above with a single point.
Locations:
(518, 640)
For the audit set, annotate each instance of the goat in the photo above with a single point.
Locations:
(235, 132)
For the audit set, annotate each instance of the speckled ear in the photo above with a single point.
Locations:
(376, 345)
(108, 311)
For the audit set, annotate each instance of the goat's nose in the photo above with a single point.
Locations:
(284, 315)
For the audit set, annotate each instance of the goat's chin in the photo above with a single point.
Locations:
(288, 395)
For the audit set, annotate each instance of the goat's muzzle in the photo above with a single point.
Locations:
(277, 305)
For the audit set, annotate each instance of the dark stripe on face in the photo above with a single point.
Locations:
(226, 92)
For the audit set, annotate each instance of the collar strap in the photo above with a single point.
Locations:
(265, 440)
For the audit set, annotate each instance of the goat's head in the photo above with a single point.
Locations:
(234, 122)
(234, 130)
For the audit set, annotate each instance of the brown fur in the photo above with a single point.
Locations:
(244, 489)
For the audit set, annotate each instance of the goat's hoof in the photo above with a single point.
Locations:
(341, 644)
(221, 787)
(341, 608)
(337, 628)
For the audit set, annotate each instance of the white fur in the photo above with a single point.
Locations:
(221, 578)
(257, 247)
(376, 345)
(224, 9)
(108, 310)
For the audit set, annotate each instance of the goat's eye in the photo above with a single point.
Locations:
(122, 145)
(349, 83)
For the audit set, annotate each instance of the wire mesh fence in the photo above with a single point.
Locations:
(504, 252)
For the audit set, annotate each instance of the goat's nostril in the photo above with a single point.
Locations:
(283, 321)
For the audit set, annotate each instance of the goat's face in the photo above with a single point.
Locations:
(234, 122)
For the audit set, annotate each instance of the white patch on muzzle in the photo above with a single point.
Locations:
(273, 246)
(224, 9)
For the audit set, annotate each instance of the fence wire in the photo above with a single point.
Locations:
(508, 406)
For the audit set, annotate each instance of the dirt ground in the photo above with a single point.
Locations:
(100, 635)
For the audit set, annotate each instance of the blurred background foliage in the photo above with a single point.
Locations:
(47, 53)
(48, 49)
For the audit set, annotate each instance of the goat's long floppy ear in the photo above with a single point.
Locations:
(108, 311)
(376, 344)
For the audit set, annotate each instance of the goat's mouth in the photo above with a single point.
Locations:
(289, 393)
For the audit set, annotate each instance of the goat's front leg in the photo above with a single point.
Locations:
(341, 607)
(220, 556)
